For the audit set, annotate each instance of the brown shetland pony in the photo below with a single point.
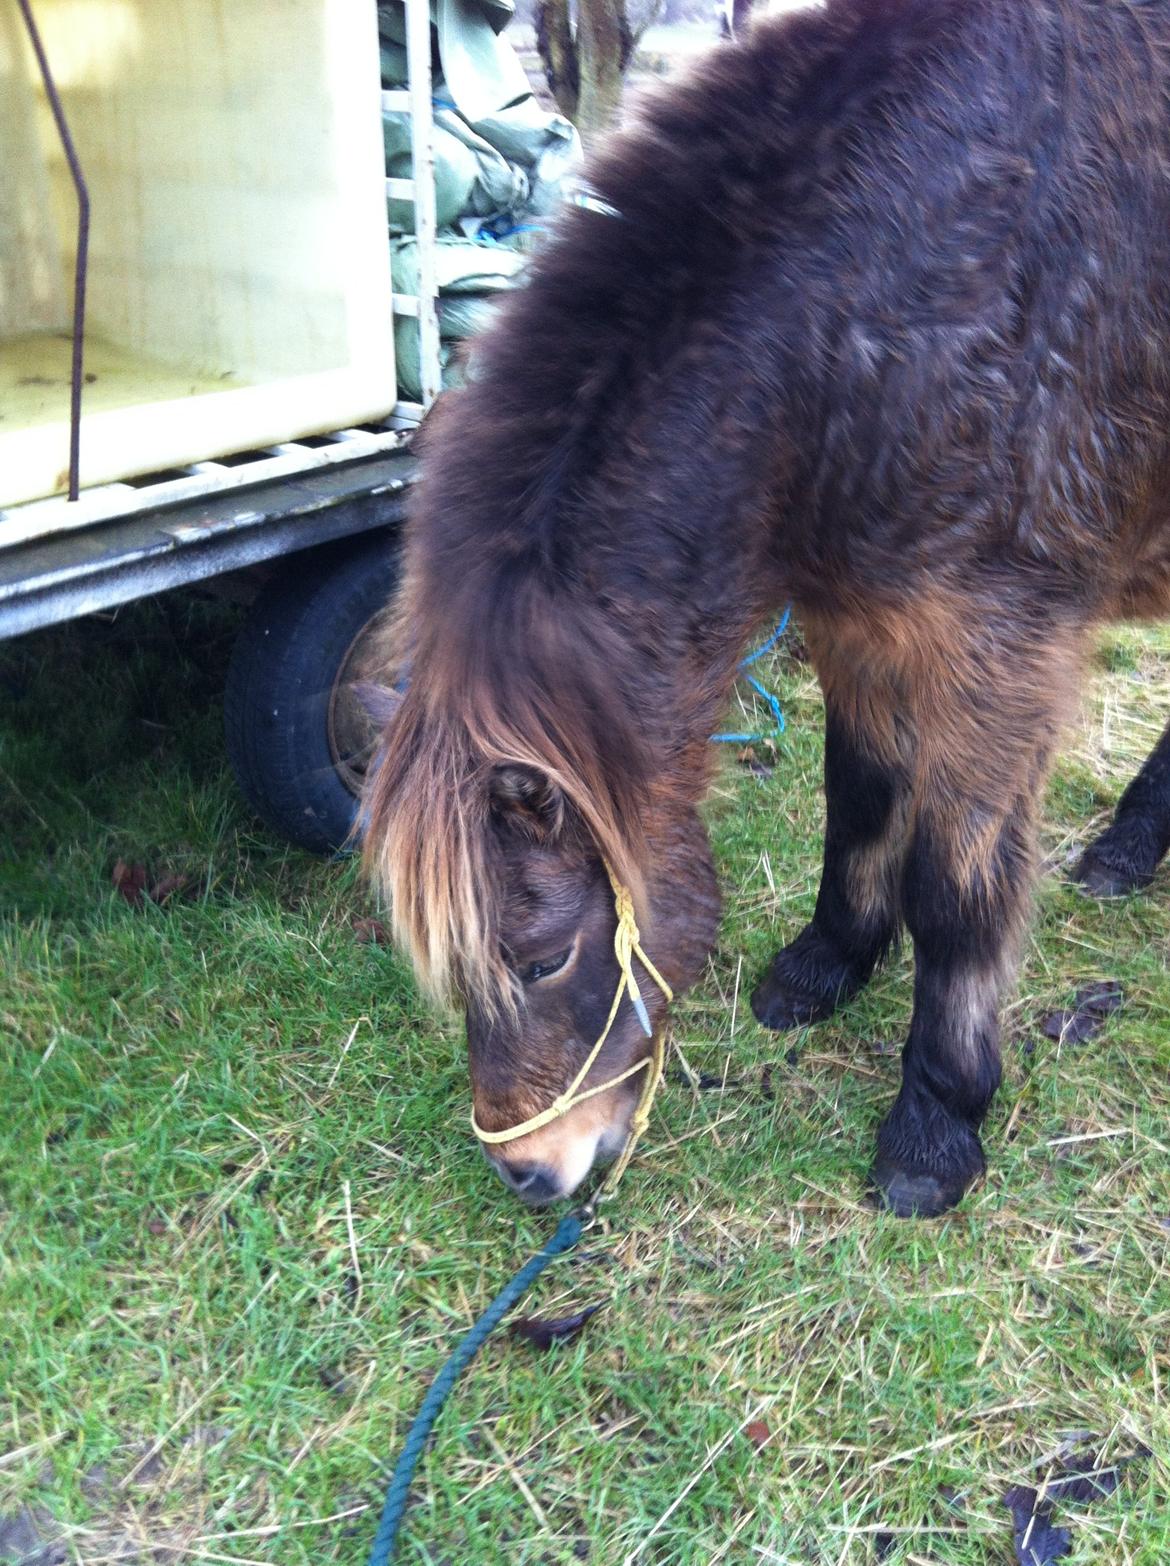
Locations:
(879, 323)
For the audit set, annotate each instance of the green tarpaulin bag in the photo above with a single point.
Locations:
(471, 277)
(471, 177)
(483, 107)
(500, 164)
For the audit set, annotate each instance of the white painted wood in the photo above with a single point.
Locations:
(34, 295)
(400, 189)
(239, 285)
(19, 524)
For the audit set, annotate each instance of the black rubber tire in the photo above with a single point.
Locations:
(286, 661)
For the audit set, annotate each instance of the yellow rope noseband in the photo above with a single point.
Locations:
(626, 946)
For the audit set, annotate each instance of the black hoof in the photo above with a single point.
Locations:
(1101, 879)
(910, 1195)
(927, 1157)
(781, 1006)
(806, 983)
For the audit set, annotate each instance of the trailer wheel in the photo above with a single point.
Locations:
(298, 734)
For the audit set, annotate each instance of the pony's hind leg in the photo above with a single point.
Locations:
(867, 795)
(1123, 859)
(987, 715)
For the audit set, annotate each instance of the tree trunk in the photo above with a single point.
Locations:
(558, 54)
(603, 43)
(585, 68)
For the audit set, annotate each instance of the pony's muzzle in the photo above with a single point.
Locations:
(535, 1184)
(547, 1165)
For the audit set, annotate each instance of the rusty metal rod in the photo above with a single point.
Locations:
(82, 268)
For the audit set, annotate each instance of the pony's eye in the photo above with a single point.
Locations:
(545, 968)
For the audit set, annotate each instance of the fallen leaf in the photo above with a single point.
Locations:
(1085, 1018)
(543, 1331)
(1079, 1478)
(370, 932)
(130, 882)
(748, 758)
(757, 1433)
(1037, 1542)
(1082, 1479)
(167, 887)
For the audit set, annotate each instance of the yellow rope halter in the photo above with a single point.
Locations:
(626, 946)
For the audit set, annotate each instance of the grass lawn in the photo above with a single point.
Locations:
(242, 1218)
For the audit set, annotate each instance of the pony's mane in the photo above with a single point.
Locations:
(510, 678)
(525, 629)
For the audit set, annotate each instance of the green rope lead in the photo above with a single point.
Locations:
(569, 1231)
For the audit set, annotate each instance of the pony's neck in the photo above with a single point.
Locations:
(690, 572)
(683, 899)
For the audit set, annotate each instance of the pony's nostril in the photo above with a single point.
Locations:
(534, 1182)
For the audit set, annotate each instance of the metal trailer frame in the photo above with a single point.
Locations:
(55, 578)
(118, 542)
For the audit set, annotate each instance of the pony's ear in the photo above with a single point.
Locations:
(379, 702)
(524, 797)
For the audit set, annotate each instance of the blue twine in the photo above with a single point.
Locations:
(494, 235)
(766, 647)
(760, 690)
(569, 1231)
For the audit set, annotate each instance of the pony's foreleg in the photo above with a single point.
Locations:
(1123, 859)
(867, 797)
(985, 740)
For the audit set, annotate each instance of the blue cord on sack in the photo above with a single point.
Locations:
(569, 1231)
(493, 236)
(760, 690)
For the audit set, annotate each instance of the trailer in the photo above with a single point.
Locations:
(197, 327)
